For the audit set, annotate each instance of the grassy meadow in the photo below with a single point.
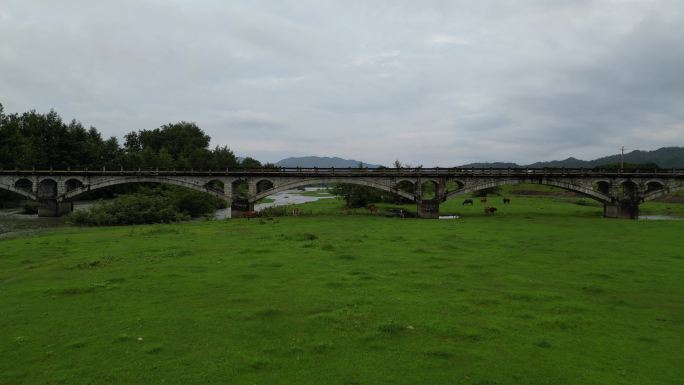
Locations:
(544, 292)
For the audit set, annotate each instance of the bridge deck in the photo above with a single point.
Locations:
(373, 172)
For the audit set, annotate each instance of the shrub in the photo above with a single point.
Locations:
(149, 205)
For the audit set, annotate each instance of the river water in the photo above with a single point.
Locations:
(659, 218)
(289, 197)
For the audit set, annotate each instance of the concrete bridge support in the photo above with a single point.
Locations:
(53, 208)
(626, 209)
(428, 209)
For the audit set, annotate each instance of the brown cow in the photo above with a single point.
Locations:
(250, 214)
(372, 209)
(489, 210)
(483, 200)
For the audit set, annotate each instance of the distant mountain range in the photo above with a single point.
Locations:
(322, 161)
(666, 157)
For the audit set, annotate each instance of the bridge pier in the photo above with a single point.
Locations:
(624, 209)
(428, 209)
(53, 208)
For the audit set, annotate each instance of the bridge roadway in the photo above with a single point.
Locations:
(619, 190)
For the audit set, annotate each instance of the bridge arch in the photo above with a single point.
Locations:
(19, 191)
(603, 186)
(216, 185)
(69, 195)
(596, 195)
(24, 184)
(655, 194)
(313, 181)
(264, 184)
(47, 188)
(406, 185)
(428, 189)
(406, 180)
(73, 184)
(458, 183)
(654, 184)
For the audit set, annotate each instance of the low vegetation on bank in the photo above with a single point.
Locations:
(163, 204)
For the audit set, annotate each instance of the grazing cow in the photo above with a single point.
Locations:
(467, 202)
(489, 210)
(250, 214)
(507, 201)
(372, 209)
(483, 200)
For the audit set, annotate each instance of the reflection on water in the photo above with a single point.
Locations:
(291, 197)
(659, 218)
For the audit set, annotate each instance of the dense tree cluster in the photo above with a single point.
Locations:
(42, 141)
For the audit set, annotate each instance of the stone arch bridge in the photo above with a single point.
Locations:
(620, 191)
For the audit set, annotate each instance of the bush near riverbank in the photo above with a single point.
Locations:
(150, 205)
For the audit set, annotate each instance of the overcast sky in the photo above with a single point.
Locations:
(428, 82)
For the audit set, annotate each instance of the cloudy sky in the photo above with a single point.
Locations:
(428, 82)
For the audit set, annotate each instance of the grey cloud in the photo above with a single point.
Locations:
(430, 82)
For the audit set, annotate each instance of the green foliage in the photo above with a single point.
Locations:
(149, 205)
(40, 140)
(176, 145)
(356, 196)
(249, 162)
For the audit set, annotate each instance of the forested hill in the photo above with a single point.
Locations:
(665, 157)
(40, 140)
(322, 161)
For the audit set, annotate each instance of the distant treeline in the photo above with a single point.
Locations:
(42, 141)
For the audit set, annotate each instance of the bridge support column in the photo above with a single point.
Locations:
(624, 209)
(428, 209)
(49, 208)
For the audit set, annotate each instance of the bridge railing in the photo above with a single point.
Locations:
(376, 172)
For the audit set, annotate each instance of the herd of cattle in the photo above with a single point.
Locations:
(487, 210)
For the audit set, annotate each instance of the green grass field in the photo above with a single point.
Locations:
(544, 292)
